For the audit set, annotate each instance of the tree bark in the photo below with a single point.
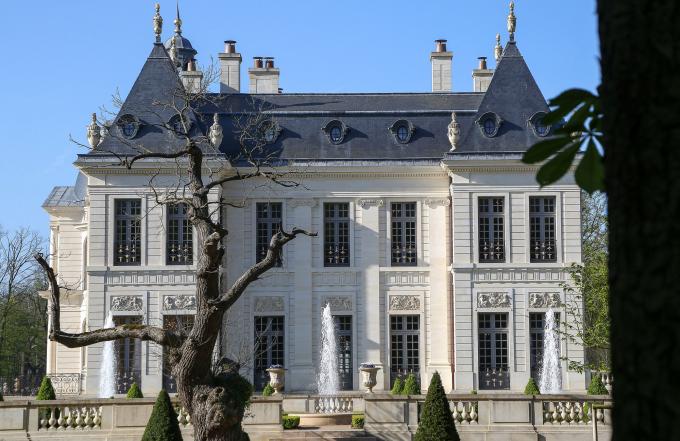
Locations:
(640, 49)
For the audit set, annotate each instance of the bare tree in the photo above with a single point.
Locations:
(209, 394)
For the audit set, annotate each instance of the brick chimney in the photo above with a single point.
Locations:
(481, 77)
(263, 76)
(441, 67)
(191, 77)
(230, 68)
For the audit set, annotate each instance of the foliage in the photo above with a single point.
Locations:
(531, 388)
(163, 424)
(240, 389)
(436, 421)
(268, 390)
(46, 391)
(291, 422)
(596, 386)
(358, 421)
(411, 386)
(398, 386)
(135, 392)
(582, 131)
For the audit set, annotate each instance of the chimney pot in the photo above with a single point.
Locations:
(441, 45)
(191, 66)
(230, 46)
(230, 68)
(257, 62)
(269, 62)
(482, 62)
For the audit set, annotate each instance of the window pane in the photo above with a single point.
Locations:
(336, 234)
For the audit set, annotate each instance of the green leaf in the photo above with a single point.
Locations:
(590, 172)
(557, 166)
(544, 149)
(572, 97)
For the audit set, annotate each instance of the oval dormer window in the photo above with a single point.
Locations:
(128, 125)
(540, 128)
(335, 131)
(402, 131)
(489, 124)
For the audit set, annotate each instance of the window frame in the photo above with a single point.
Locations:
(404, 220)
(542, 216)
(559, 233)
(115, 218)
(493, 331)
(507, 229)
(269, 222)
(181, 232)
(267, 350)
(395, 373)
(337, 221)
(535, 370)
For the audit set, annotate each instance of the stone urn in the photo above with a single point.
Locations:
(368, 376)
(277, 378)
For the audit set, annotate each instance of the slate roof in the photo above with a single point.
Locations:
(68, 196)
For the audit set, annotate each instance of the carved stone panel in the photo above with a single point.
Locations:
(437, 202)
(126, 303)
(404, 303)
(544, 300)
(367, 203)
(302, 203)
(493, 300)
(338, 303)
(269, 304)
(173, 303)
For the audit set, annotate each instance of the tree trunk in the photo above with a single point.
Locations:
(640, 48)
(215, 417)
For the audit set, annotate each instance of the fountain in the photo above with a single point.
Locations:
(107, 370)
(328, 382)
(550, 376)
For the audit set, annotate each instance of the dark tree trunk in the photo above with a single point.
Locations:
(640, 47)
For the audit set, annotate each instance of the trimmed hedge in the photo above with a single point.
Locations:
(291, 422)
(397, 387)
(596, 386)
(531, 388)
(135, 391)
(162, 425)
(411, 385)
(436, 420)
(268, 390)
(46, 391)
(358, 421)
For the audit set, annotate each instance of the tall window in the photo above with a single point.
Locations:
(182, 323)
(343, 332)
(493, 351)
(491, 229)
(128, 356)
(536, 334)
(268, 224)
(127, 244)
(404, 251)
(269, 347)
(542, 228)
(336, 234)
(404, 346)
(180, 238)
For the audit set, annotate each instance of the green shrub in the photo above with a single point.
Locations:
(357, 421)
(135, 391)
(162, 425)
(397, 387)
(291, 422)
(531, 388)
(268, 390)
(436, 420)
(1, 397)
(473, 392)
(46, 391)
(596, 387)
(411, 385)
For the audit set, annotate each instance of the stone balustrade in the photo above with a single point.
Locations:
(339, 404)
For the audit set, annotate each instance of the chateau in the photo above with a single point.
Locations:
(436, 249)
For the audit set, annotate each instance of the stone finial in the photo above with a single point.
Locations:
(215, 135)
(173, 52)
(498, 50)
(94, 134)
(178, 22)
(158, 23)
(512, 21)
(454, 132)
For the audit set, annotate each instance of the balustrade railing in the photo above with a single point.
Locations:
(570, 412)
(339, 404)
(465, 412)
(70, 418)
(607, 380)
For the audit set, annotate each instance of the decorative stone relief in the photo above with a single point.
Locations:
(404, 303)
(123, 278)
(126, 303)
(544, 300)
(493, 300)
(366, 203)
(269, 304)
(338, 303)
(437, 202)
(302, 203)
(406, 278)
(171, 303)
(510, 275)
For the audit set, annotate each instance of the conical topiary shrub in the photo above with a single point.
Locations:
(531, 388)
(397, 387)
(46, 391)
(411, 385)
(135, 391)
(162, 425)
(436, 421)
(596, 386)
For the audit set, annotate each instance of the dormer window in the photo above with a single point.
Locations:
(402, 131)
(489, 124)
(540, 128)
(335, 131)
(128, 125)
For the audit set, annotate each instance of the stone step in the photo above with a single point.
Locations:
(310, 434)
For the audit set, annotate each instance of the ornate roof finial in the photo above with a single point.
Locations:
(94, 133)
(158, 23)
(215, 135)
(454, 132)
(498, 50)
(512, 21)
(178, 22)
(173, 52)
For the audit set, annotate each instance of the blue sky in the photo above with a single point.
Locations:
(64, 59)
